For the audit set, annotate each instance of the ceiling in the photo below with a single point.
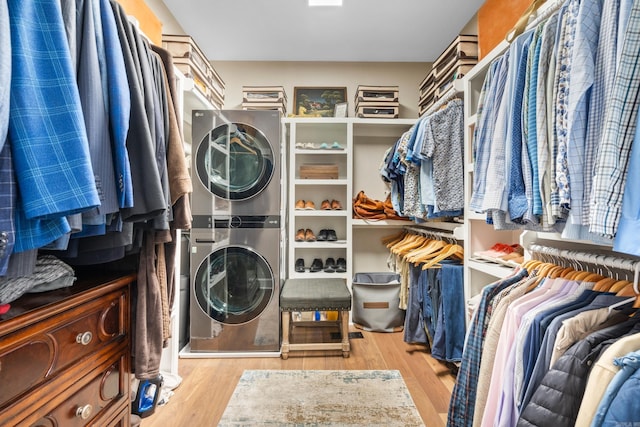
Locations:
(290, 30)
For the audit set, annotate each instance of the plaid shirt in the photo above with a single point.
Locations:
(618, 134)
(463, 398)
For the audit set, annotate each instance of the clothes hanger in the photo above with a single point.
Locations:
(236, 140)
(445, 253)
(393, 238)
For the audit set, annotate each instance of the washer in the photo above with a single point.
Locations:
(235, 286)
(236, 166)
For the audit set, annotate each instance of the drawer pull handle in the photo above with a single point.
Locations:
(84, 338)
(84, 412)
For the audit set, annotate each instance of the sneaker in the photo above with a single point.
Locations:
(299, 205)
(300, 265)
(309, 205)
(322, 235)
(329, 265)
(341, 265)
(331, 236)
(316, 265)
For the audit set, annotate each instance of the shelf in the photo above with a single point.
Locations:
(316, 212)
(324, 151)
(391, 223)
(317, 275)
(340, 244)
(300, 181)
(495, 270)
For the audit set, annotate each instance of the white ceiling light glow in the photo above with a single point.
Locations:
(325, 2)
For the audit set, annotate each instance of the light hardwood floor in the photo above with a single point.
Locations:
(208, 384)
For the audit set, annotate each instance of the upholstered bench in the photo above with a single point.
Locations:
(300, 295)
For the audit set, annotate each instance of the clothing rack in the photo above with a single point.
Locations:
(449, 236)
(598, 260)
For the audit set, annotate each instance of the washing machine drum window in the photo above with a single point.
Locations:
(235, 161)
(234, 285)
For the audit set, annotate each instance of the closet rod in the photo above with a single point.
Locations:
(455, 91)
(428, 232)
(595, 258)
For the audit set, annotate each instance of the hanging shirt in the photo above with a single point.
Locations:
(619, 131)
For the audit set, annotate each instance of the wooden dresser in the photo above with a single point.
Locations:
(65, 356)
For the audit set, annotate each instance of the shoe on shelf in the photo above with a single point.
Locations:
(335, 205)
(309, 205)
(322, 236)
(316, 265)
(330, 265)
(300, 265)
(336, 146)
(300, 234)
(341, 265)
(309, 236)
(326, 205)
(324, 146)
(300, 205)
(331, 236)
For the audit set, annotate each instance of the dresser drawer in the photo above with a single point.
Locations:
(36, 353)
(99, 401)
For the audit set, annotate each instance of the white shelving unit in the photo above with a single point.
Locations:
(478, 234)
(365, 142)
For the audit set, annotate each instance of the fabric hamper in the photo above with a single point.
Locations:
(376, 300)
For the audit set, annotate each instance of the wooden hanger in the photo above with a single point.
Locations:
(388, 240)
(604, 284)
(445, 253)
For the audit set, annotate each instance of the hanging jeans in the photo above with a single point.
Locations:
(449, 332)
(413, 322)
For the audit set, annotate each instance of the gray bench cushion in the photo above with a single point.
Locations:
(315, 294)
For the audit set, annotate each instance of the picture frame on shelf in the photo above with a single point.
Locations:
(317, 101)
(340, 109)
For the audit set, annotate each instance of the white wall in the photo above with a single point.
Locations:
(406, 75)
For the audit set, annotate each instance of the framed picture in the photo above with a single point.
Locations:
(340, 109)
(317, 101)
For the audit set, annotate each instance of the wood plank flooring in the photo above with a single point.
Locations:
(208, 384)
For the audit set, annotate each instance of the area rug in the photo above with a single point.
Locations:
(321, 398)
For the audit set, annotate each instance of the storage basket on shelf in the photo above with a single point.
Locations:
(376, 300)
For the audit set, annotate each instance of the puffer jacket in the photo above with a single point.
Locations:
(624, 408)
(557, 400)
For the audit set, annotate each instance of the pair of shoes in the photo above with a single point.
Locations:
(305, 146)
(335, 146)
(303, 235)
(330, 265)
(307, 205)
(327, 235)
(316, 265)
(299, 265)
(330, 205)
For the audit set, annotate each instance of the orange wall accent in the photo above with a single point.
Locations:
(150, 25)
(495, 18)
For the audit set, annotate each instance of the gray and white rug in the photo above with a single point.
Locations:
(321, 398)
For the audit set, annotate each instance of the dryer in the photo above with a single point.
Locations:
(235, 286)
(236, 166)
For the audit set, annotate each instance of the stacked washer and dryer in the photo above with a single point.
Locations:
(236, 233)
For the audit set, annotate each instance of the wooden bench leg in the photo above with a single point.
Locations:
(344, 327)
(284, 351)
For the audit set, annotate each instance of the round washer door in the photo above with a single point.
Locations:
(234, 285)
(235, 161)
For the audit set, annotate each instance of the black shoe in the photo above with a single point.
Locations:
(299, 265)
(330, 265)
(331, 236)
(341, 265)
(322, 235)
(316, 265)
